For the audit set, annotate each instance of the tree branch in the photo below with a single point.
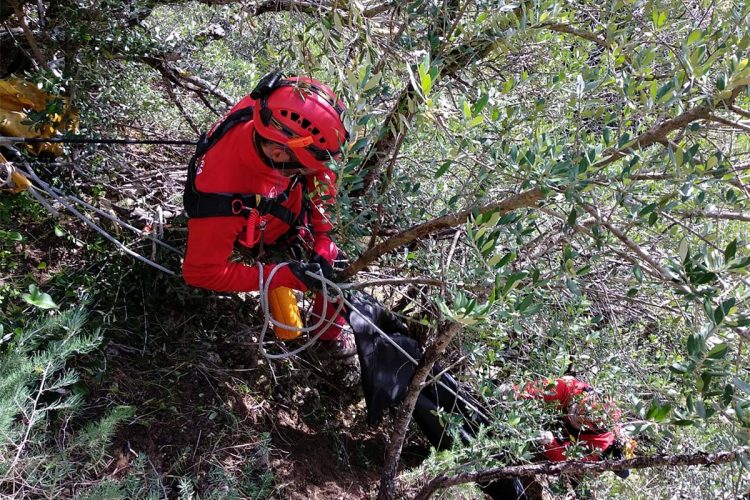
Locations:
(740, 111)
(291, 5)
(729, 123)
(185, 80)
(659, 132)
(716, 214)
(454, 60)
(578, 467)
(398, 281)
(38, 56)
(393, 454)
(566, 28)
(524, 199)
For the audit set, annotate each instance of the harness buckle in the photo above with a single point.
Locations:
(237, 206)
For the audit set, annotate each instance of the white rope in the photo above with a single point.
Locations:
(264, 287)
(7, 170)
(60, 199)
(51, 190)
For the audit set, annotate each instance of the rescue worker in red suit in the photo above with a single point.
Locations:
(587, 424)
(259, 178)
(587, 420)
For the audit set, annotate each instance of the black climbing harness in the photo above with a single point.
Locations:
(199, 204)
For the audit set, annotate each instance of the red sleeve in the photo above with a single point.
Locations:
(209, 246)
(322, 189)
(555, 451)
(600, 442)
(560, 390)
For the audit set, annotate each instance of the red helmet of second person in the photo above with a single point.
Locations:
(304, 115)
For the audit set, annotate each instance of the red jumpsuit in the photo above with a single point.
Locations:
(564, 391)
(233, 165)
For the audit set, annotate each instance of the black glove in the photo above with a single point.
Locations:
(299, 270)
(324, 265)
(340, 262)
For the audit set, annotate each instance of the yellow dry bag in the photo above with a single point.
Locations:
(284, 309)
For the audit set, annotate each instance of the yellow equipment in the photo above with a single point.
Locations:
(284, 309)
(11, 179)
(18, 98)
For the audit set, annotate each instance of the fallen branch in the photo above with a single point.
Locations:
(521, 200)
(578, 467)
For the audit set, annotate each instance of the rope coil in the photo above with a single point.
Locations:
(264, 285)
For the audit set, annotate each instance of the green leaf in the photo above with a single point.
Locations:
(740, 264)
(695, 345)
(659, 18)
(511, 281)
(572, 216)
(10, 236)
(638, 273)
(647, 209)
(718, 351)
(373, 82)
(730, 250)
(425, 81)
(525, 303)
(694, 36)
(467, 110)
(683, 249)
(721, 311)
(741, 385)
(481, 103)
(573, 287)
(700, 408)
(38, 299)
(476, 121)
(443, 168)
(682, 422)
(658, 412)
(680, 368)
(498, 261)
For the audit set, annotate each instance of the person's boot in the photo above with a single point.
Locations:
(343, 346)
(334, 342)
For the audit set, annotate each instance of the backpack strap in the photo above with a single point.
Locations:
(199, 204)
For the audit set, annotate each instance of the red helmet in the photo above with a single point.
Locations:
(302, 114)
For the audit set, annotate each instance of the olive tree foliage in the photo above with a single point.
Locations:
(568, 179)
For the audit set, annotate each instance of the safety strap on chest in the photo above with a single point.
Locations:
(199, 204)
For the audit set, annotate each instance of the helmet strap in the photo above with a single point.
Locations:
(287, 165)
